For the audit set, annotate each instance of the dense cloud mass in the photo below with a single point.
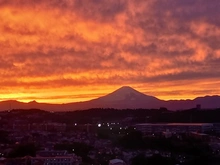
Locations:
(70, 50)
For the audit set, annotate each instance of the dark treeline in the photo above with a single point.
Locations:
(102, 115)
(186, 145)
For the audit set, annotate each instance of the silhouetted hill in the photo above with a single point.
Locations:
(113, 115)
(123, 98)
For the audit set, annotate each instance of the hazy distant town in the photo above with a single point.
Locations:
(110, 137)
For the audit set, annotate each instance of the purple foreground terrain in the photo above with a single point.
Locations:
(123, 98)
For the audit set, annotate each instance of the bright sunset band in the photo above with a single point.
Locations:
(68, 51)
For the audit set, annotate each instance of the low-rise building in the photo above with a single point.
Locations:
(116, 162)
(147, 128)
(58, 160)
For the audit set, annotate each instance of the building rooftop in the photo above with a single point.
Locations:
(114, 161)
(175, 124)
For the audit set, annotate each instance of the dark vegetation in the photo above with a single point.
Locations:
(184, 145)
(137, 115)
(128, 139)
(80, 149)
(204, 160)
(4, 136)
(154, 160)
(197, 150)
(21, 150)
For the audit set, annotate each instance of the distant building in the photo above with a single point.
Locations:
(59, 160)
(217, 127)
(116, 162)
(49, 160)
(167, 134)
(88, 128)
(52, 153)
(201, 136)
(91, 129)
(147, 128)
(58, 127)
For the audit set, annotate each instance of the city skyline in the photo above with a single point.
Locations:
(69, 51)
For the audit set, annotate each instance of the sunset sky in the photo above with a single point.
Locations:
(60, 51)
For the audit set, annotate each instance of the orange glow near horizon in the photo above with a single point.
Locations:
(78, 94)
(71, 51)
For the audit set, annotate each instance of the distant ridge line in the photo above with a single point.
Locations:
(122, 98)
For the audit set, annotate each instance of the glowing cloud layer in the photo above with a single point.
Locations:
(63, 51)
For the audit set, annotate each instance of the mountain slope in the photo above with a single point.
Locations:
(126, 93)
(127, 97)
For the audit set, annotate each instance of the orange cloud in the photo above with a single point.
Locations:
(62, 51)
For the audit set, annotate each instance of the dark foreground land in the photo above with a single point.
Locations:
(96, 136)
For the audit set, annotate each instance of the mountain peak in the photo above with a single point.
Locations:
(124, 90)
(127, 88)
(125, 93)
(33, 102)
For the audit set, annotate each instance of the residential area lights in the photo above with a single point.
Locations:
(108, 124)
